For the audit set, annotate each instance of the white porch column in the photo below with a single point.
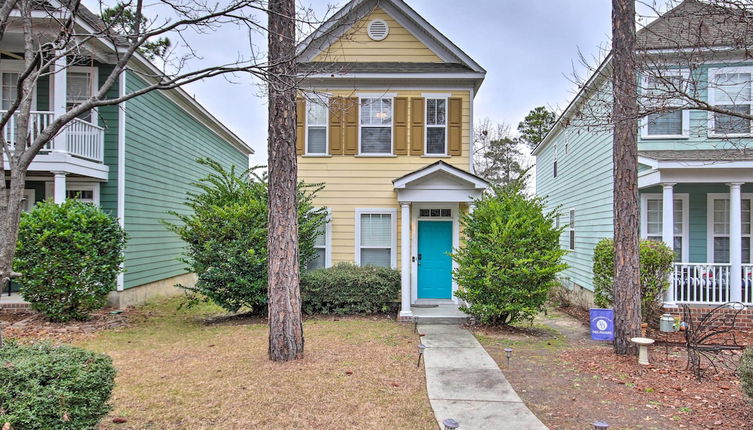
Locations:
(405, 263)
(59, 187)
(668, 232)
(59, 98)
(735, 243)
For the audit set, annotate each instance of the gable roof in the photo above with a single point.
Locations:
(690, 24)
(337, 25)
(440, 166)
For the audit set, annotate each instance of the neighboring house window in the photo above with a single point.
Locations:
(652, 225)
(376, 237)
(719, 227)
(554, 164)
(662, 92)
(730, 89)
(436, 126)
(376, 126)
(316, 128)
(78, 90)
(567, 142)
(571, 230)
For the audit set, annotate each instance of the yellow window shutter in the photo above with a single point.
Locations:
(336, 126)
(351, 125)
(300, 126)
(417, 126)
(455, 131)
(400, 125)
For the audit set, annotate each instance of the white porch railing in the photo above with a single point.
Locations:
(702, 283)
(85, 140)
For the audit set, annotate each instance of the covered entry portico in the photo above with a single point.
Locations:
(431, 200)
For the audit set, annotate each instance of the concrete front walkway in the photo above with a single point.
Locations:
(464, 383)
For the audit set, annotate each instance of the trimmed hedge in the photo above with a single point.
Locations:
(69, 256)
(53, 387)
(349, 289)
(746, 373)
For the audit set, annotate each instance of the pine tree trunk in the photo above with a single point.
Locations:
(285, 322)
(627, 293)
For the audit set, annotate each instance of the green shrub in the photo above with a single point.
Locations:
(69, 256)
(349, 289)
(656, 265)
(225, 230)
(53, 387)
(511, 255)
(746, 373)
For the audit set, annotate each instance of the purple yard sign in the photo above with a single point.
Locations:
(602, 324)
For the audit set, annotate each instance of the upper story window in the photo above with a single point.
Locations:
(554, 163)
(436, 126)
(376, 126)
(662, 93)
(78, 90)
(9, 89)
(730, 89)
(316, 128)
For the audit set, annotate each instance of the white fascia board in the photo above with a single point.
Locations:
(648, 161)
(470, 75)
(705, 165)
(403, 182)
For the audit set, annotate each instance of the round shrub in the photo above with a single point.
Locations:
(69, 256)
(510, 258)
(349, 289)
(746, 373)
(656, 260)
(53, 387)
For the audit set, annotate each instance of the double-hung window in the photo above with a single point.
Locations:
(376, 237)
(663, 94)
(78, 90)
(436, 126)
(376, 126)
(9, 89)
(719, 229)
(316, 127)
(554, 163)
(730, 90)
(652, 224)
(571, 231)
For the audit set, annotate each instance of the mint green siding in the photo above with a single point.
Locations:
(162, 144)
(583, 183)
(108, 119)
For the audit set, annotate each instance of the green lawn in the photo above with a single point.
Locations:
(185, 369)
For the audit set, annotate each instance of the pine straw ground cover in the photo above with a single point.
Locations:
(569, 381)
(192, 368)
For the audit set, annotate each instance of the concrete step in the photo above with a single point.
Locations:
(441, 319)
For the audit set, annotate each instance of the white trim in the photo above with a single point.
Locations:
(375, 95)
(415, 210)
(306, 125)
(427, 126)
(328, 239)
(711, 95)
(710, 197)
(685, 199)
(391, 126)
(685, 116)
(120, 284)
(403, 182)
(405, 260)
(472, 132)
(84, 186)
(393, 221)
(436, 95)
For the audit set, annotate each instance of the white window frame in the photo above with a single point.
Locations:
(17, 66)
(84, 186)
(324, 100)
(93, 73)
(427, 126)
(710, 197)
(685, 74)
(391, 126)
(327, 239)
(571, 217)
(712, 72)
(393, 240)
(685, 199)
(555, 164)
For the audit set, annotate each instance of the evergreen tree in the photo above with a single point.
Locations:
(536, 125)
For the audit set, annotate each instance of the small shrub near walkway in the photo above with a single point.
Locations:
(746, 373)
(349, 289)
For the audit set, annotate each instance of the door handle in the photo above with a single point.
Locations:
(419, 259)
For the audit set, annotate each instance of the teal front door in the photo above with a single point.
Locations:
(434, 262)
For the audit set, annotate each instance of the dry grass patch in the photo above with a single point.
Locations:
(176, 371)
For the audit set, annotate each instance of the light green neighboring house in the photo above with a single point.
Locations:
(135, 160)
(691, 178)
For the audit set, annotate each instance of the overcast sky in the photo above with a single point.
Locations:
(528, 47)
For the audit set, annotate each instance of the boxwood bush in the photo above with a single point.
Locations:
(53, 387)
(656, 265)
(69, 256)
(349, 289)
(746, 373)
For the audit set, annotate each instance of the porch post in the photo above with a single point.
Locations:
(735, 243)
(59, 187)
(668, 233)
(59, 98)
(405, 311)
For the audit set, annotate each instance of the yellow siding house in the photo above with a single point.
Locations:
(384, 121)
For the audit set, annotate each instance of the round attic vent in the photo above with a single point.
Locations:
(378, 29)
